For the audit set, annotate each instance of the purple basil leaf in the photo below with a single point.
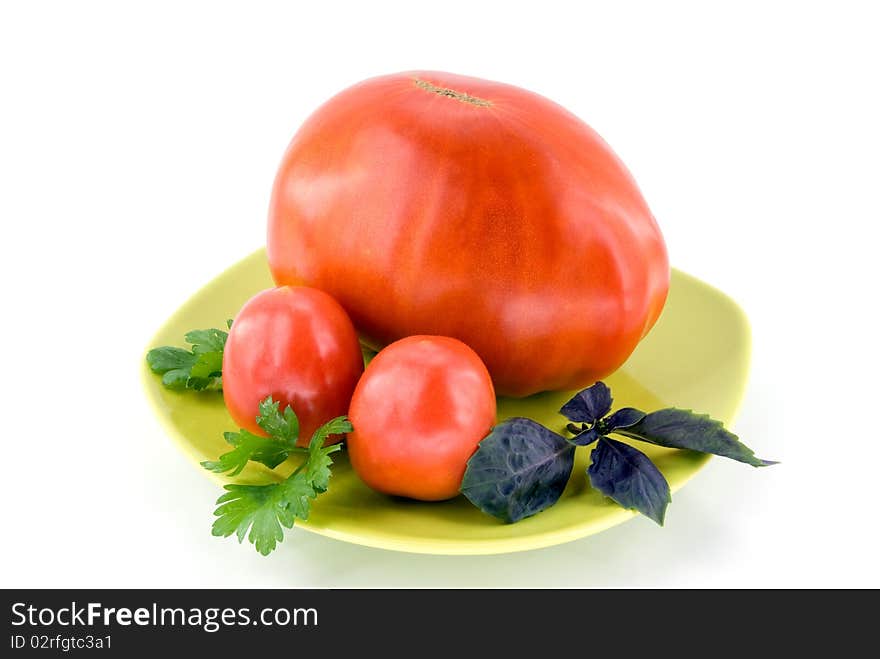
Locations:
(519, 469)
(623, 418)
(676, 428)
(589, 405)
(585, 437)
(628, 476)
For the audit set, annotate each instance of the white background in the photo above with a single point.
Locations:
(137, 150)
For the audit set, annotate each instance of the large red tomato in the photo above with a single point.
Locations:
(297, 345)
(419, 412)
(430, 203)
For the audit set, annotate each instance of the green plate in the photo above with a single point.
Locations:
(695, 357)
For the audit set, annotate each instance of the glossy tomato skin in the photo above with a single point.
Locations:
(504, 221)
(298, 345)
(419, 412)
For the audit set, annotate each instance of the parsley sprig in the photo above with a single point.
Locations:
(199, 368)
(522, 468)
(283, 431)
(260, 513)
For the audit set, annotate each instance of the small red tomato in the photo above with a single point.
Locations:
(297, 345)
(419, 411)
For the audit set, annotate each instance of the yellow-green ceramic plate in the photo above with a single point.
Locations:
(695, 357)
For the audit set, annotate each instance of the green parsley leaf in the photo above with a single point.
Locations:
(206, 340)
(248, 446)
(283, 426)
(173, 364)
(262, 512)
(318, 465)
(207, 363)
(198, 369)
(169, 358)
(283, 431)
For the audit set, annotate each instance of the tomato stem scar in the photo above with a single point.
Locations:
(451, 93)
